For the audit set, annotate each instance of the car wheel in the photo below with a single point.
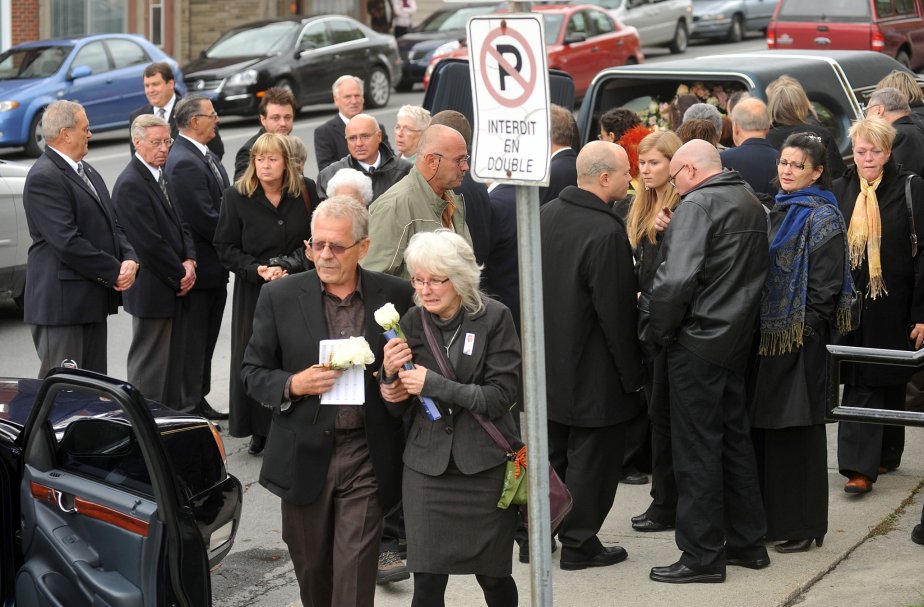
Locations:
(736, 33)
(681, 39)
(378, 88)
(35, 144)
(903, 58)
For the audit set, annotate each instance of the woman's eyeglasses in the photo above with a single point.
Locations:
(796, 166)
(419, 284)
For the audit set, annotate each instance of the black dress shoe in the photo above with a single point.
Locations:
(646, 524)
(257, 443)
(737, 561)
(678, 573)
(206, 411)
(798, 545)
(917, 534)
(639, 517)
(524, 550)
(635, 478)
(608, 556)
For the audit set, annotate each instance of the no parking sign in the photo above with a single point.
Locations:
(510, 92)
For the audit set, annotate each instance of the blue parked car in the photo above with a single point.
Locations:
(102, 72)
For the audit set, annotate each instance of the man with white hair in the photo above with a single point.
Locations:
(330, 138)
(350, 182)
(704, 310)
(891, 105)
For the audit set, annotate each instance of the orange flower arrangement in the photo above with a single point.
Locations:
(629, 141)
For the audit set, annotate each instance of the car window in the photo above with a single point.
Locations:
(578, 24)
(849, 11)
(126, 53)
(315, 34)
(344, 31)
(904, 7)
(453, 19)
(552, 27)
(269, 39)
(32, 62)
(93, 55)
(600, 23)
(883, 8)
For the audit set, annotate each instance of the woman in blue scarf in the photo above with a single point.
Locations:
(806, 296)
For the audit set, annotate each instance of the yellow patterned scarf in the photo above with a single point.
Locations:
(865, 235)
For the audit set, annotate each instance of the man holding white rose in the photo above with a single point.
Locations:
(337, 468)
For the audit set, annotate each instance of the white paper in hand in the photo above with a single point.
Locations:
(350, 387)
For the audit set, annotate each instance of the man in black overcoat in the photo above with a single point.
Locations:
(337, 468)
(562, 170)
(593, 362)
(80, 261)
(146, 204)
(330, 138)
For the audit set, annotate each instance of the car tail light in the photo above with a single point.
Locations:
(221, 445)
(877, 40)
(771, 38)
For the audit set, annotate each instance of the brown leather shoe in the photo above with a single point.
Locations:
(858, 484)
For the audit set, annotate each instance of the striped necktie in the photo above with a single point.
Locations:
(86, 180)
(162, 182)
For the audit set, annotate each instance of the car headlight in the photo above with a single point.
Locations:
(446, 48)
(6, 106)
(244, 78)
(714, 17)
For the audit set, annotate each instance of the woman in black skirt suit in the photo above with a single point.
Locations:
(263, 217)
(806, 297)
(453, 470)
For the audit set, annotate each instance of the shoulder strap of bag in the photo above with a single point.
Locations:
(910, 210)
(446, 369)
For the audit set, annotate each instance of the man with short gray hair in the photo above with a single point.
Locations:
(80, 260)
(330, 138)
(753, 156)
(891, 105)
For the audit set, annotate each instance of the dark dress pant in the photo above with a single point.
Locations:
(589, 460)
(663, 508)
(150, 359)
(84, 344)
(195, 335)
(719, 508)
(862, 448)
(334, 541)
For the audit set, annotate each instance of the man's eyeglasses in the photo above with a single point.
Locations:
(156, 143)
(432, 283)
(460, 161)
(213, 115)
(318, 246)
(796, 166)
(869, 107)
(674, 176)
(401, 129)
(364, 137)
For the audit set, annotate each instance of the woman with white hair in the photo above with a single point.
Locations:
(412, 120)
(453, 469)
(352, 183)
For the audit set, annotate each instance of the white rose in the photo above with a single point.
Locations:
(387, 316)
(350, 352)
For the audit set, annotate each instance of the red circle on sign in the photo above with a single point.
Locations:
(528, 86)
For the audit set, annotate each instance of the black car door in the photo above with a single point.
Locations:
(102, 520)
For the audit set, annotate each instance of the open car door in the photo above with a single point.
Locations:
(102, 518)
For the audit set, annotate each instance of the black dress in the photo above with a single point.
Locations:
(251, 231)
(886, 322)
(788, 407)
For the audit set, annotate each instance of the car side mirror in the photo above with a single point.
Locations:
(307, 45)
(575, 37)
(96, 438)
(81, 71)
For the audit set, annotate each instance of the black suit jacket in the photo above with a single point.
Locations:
(242, 158)
(330, 142)
(562, 173)
(501, 276)
(216, 144)
(77, 245)
(199, 197)
(755, 161)
(158, 234)
(477, 212)
(288, 324)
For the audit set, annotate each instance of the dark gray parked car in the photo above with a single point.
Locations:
(14, 233)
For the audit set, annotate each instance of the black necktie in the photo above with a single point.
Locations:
(86, 180)
(163, 188)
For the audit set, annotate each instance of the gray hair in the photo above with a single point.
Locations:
(351, 178)
(141, 124)
(336, 88)
(344, 207)
(59, 115)
(891, 99)
(445, 253)
(419, 115)
(187, 108)
(751, 114)
(297, 149)
(704, 111)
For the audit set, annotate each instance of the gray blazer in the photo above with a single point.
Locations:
(488, 381)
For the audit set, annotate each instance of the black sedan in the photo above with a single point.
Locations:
(304, 54)
(108, 499)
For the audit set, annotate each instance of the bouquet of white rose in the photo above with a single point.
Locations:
(388, 318)
(354, 351)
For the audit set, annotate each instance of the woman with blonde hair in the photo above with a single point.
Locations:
(658, 194)
(262, 219)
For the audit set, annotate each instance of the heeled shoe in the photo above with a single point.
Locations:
(798, 545)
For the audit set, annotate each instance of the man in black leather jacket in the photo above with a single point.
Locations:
(704, 309)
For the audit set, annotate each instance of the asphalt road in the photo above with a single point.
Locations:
(257, 572)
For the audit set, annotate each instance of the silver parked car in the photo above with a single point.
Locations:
(659, 22)
(14, 233)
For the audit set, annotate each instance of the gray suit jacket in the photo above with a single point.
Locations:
(488, 383)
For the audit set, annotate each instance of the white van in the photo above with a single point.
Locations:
(659, 22)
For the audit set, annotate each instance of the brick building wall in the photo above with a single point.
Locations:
(204, 20)
(24, 17)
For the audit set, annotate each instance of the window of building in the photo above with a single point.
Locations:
(76, 17)
(156, 35)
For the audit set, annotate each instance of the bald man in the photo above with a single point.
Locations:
(368, 155)
(421, 202)
(704, 309)
(753, 156)
(593, 361)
